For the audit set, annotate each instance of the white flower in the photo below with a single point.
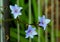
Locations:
(30, 32)
(43, 21)
(15, 10)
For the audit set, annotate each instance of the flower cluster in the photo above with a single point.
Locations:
(43, 21)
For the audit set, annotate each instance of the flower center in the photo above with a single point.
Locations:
(42, 22)
(16, 10)
(29, 31)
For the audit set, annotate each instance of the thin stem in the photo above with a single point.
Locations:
(30, 16)
(17, 2)
(29, 39)
(46, 35)
(52, 18)
(57, 16)
(18, 32)
(38, 15)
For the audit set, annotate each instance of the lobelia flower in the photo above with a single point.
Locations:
(30, 32)
(16, 10)
(43, 21)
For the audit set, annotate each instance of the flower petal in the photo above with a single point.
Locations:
(11, 7)
(44, 26)
(47, 21)
(31, 36)
(34, 33)
(27, 36)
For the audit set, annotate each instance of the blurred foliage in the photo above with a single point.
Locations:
(25, 18)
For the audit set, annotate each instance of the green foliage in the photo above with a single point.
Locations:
(25, 18)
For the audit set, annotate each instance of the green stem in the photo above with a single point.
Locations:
(17, 2)
(30, 16)
(18, 30)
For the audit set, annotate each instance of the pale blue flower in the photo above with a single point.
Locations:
(30, 32)
(15, 10)
(43, 21)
